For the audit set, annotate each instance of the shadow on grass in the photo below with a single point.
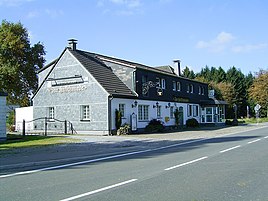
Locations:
(18, 141)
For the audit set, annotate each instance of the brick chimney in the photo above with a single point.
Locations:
(177, 66)
(72, 44)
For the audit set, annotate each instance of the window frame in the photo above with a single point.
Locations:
(174, 86)
(178, 86)
(143, 112)
(51, 113)
(85, 113)
(122, 109)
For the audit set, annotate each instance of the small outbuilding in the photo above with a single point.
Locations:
(3, 134)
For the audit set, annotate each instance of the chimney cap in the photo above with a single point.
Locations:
(176, 60)
(72, 40)
(72, 43)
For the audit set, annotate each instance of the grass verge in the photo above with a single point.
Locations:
(253, 120)
(18, 141)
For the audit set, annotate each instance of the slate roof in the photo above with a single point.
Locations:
(167, 69)
(103, 74)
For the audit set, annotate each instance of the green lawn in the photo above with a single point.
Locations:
(18, 141)
(253, 120)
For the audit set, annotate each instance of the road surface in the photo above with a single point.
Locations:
(230, 167)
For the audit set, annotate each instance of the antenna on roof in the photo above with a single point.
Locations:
(72, 43)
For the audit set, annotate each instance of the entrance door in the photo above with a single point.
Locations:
(181, 116)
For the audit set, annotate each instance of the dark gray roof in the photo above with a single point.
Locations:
(168, 69)
(103, 74)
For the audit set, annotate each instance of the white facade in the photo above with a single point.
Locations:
(160, 110)
(24, 113)
(3, 134)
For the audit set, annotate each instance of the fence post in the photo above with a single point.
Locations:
(65, 127)
(45, 126)
(23, 127)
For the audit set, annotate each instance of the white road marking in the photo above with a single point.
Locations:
(97, 159)
(225, 150)
(98, 190)
(265, 137)
(254, 141)
(73, 164)
(117, 156)
(187, 163)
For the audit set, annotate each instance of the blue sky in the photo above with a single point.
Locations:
(216, 33)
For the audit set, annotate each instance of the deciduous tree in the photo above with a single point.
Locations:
(19, 62)
(259, 91)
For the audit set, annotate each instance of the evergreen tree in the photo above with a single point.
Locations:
(237, 79)
(188, 73)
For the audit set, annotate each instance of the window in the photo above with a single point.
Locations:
(174, 85)
(195, 110)
(178, 86)
(163, 85)
(190, 88)
(160, 83)
(85, 112)
(190, 110)
(51, 113)
(209, 114)
(158, 113)
(201, 90)
(171, 111)
(122, 110)
(143, 112)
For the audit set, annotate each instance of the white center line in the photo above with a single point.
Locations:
(254, 141)
(225, 150)
(187, 163)
(99, 190)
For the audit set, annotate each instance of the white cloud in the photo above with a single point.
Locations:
(218, 44)
(249, 48)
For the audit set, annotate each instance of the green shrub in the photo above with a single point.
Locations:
(176, 115)
(118, 119)
(193, 123)
(228, 122)
(155, 126)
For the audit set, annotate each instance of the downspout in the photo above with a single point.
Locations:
(110, 98)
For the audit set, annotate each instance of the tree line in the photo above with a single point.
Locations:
(235, 88)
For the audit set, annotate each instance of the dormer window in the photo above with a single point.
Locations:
(190, 88)
(174, 86)
(201, 90)
(178, 86)
(160, 83)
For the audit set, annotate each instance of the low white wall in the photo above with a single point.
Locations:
(3, 134)
(24, 113)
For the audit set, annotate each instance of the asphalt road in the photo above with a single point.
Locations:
(231, 167)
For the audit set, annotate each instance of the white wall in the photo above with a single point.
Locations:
(152, 111)
(25, 113)
(3, 117)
